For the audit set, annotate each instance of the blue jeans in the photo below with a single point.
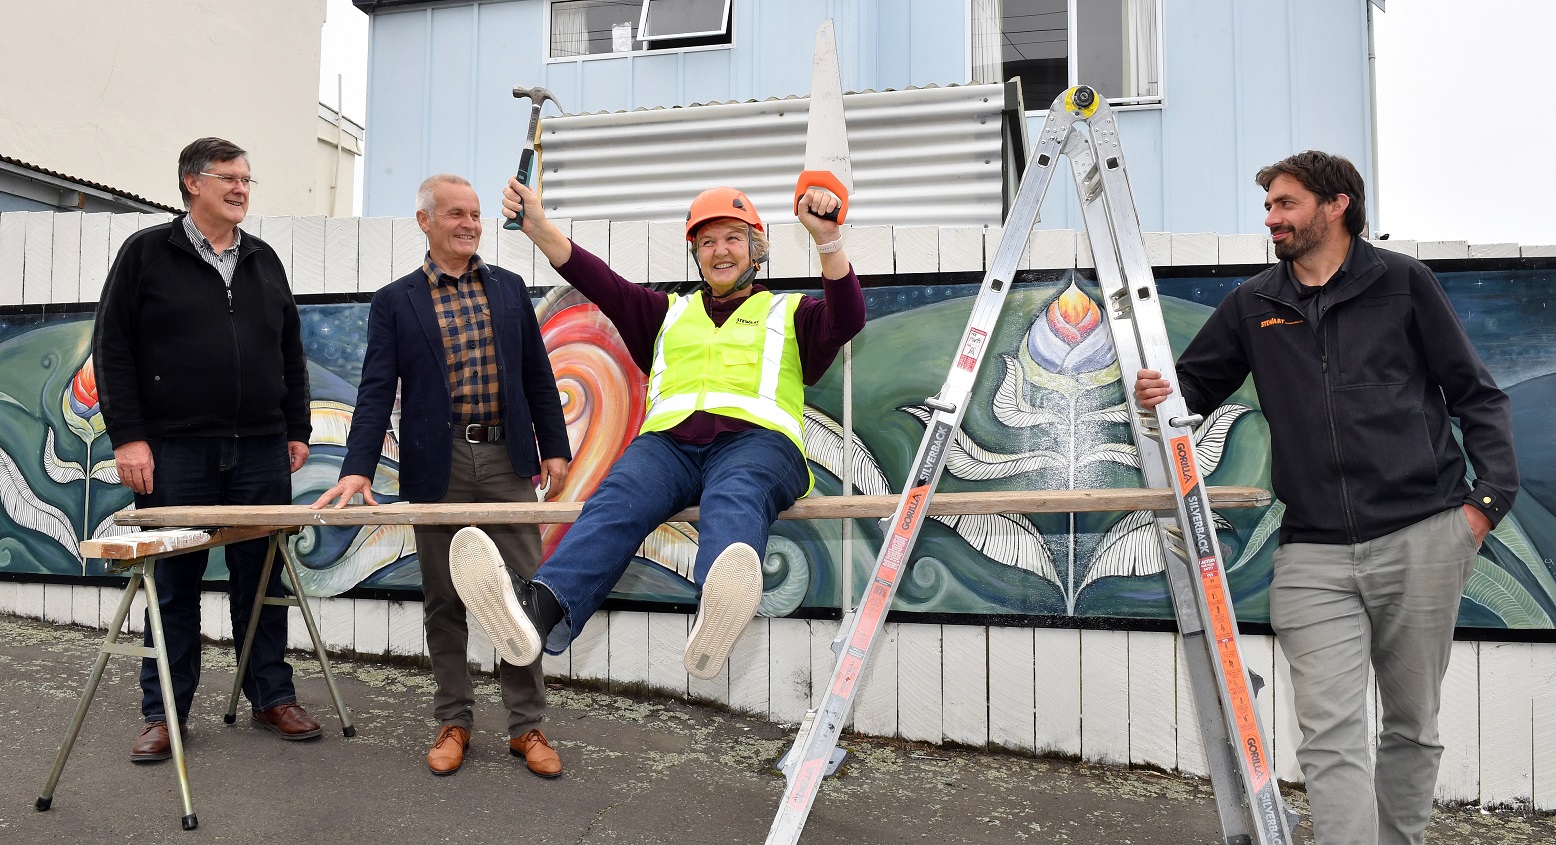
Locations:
(741, 480)
(218, 471)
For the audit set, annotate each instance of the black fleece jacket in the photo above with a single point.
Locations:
(174, 357)
(1359, 403)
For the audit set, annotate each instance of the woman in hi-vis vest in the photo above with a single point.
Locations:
(727, 368)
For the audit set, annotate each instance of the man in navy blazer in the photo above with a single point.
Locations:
(479, 417)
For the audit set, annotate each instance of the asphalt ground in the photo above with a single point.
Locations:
(639, 769)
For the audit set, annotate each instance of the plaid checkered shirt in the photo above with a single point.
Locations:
(465, 323)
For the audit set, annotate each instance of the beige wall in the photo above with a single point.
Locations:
(335, 165)
(110, 91)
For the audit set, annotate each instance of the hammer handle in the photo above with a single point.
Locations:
(526, 165)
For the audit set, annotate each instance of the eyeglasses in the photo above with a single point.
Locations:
(228, 180)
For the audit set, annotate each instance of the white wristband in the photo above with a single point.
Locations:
(830, 246)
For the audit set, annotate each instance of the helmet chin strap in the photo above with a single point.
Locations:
(745, 278)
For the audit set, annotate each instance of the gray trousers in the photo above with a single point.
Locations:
(1391, 601)
(482, 472)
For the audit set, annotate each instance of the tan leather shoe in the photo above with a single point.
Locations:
(288, 721)
(153, 745)
(448, 752)
(538, 754)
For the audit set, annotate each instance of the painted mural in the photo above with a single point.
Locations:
(1048, 413)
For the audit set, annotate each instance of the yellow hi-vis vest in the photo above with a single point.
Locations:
(748, 369)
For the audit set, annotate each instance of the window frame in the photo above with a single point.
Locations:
(1072, 60)
(548, 59)
(643, 22)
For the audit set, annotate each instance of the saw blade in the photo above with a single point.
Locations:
(826, 135)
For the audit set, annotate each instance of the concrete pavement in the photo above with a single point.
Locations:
(639, 770)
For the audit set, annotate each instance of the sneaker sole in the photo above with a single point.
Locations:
(476, 568)
(729, 600)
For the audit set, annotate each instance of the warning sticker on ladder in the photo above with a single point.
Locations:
(972, 350)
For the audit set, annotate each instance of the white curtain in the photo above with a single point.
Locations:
(569, 33)
(1142, 49)
(986, 46)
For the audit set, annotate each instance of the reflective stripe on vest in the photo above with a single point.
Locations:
(770, 394)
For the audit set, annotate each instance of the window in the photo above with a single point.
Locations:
(1111, 45)
(592, 27)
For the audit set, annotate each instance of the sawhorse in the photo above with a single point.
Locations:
(138, 554)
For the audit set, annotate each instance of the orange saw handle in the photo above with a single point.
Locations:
(828, 181)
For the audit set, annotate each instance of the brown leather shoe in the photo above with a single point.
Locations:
(288, 721)
(153, 745)
(448, 752)
(538, 754)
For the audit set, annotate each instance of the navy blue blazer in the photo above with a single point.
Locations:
(405, 345)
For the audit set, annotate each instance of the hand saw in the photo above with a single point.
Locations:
(826, 135)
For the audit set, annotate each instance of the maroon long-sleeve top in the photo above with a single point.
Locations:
(821, 326)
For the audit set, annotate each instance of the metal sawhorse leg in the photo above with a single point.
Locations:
(297, 600)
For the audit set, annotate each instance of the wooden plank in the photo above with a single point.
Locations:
(788, 669)
(66, 276)
(964, 672)
(342, 236)
(1429, 250)
(1084, 259)
(1158, 248)
(479, 650)
(1259, 657)
(1105, 696)
(1191, 740)
(1050, 249)
(56, 603)
(822, 659)
(410, 247)
(375, 253)
(790, 251)
(920, 688)
(1286, 734)
(961, 249)
(1403, 246)
(666, 647)
(546, 276)
(29, 600)
(107, 602)
(590, 650)
(38, 269)
(749, 678)
(813, 507)
(869, 249)
(1243, 249)
(406, 636)
(136, 620)
(594, 236)
(516, 252)
(1458, 726)
(8, 598)
(276, 230)
(215, 608)
(84, 606)
(917, 249)
(13, 255)
(1153, 716)
(1012, 689)
(667, 253)
(1494, 251)
(164, 541)
(1056, 658)
(875, 705)
(1544, 719)
(1195, 248)
(486, 248)
(371, 624)
(629, 249)
(1507, 731)
(95, 256)
(338, 625)
(629, 647)
(120, 227)
(307, 255)
(991, 242)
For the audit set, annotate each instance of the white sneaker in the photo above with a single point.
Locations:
(729, 600)
(486, 588)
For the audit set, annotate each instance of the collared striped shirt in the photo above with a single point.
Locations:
(465, 323)
(226, 261)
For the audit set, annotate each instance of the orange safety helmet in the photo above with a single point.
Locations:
(721, 202)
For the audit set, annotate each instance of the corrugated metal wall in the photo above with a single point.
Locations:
(927, 156)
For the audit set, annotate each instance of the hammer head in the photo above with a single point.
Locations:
(537, 96)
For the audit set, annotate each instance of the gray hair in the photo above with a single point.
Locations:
(199, 156)
(424, 194)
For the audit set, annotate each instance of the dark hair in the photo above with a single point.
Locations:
(1326, 175)
(199, 155)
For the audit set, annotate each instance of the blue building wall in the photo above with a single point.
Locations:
(1245, 84)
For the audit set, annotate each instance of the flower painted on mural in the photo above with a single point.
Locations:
(1065, 339)
(82, 412)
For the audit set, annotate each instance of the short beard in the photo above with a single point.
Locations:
(1302, 241)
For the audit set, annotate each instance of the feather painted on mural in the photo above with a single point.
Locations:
(1118, 453)
(106, 471)
(1117, 414)
(1493, 588)
(1511, 534)
(59, 469)
(372, 549)
(109, 528)
(1268, 527)
(1131, 547)
(823, 439)
(28, 511)
(11, 400)
(1009, 539)
(970, 462)
(1010, 402)
(673, 545)
(1210, 437)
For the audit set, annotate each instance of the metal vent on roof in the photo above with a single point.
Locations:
(922, 156)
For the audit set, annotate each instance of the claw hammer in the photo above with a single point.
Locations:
(537, 97)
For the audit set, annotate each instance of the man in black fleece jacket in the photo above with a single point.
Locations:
(204, 388)
(1360, 363)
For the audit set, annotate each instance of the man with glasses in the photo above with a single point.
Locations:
(204, 388)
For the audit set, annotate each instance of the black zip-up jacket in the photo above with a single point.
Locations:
(1359, 405)
(175, 357)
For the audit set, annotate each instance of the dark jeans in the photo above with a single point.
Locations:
(741, 480)
(218, 471)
